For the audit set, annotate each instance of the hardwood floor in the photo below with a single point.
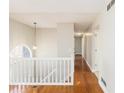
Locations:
(84, 82)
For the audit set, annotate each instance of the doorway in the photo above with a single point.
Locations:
(78, 46)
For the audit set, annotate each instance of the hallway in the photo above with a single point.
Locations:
(84, 82)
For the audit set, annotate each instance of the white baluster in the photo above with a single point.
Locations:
(68, 71)
(32, 71)
(36, 71)
(16, 71)
(21, 72)
(26, 68)
(29, 66)
(40, 66)
(48, 71)
(64, 71)
(72, 77)
(43, 70)
(15, 75)
(25, 71)
(60, 70)
(56, 71)
(53, 72)
(13, 71)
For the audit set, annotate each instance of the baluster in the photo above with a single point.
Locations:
(23, 67)
(56, 71)
(13, 71)
(10, 69)
(72, 66)
(48, 71)
(64, 70)
(16, 65)
(25, 71)
(37, 71)
(30, 76)
(68, 71)
(32, 71)
(43, 70)
(40, 66)
(29, 66)
(21, 71)
(15, 75)
(53, 72)
(60, 70)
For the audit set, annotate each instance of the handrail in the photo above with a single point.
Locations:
(36, 58)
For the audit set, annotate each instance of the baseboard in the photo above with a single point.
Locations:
(100, 83)
(88, 65)
(103, 87)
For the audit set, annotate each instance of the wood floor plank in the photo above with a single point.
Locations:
(84, 82)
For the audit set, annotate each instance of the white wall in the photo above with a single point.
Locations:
(46, 41)
(106, 49)
(65, 37)
(20, 34)
(50, 42)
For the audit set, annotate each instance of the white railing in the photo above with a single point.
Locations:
(41, 71)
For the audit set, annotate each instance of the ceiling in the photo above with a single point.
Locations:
(47, 13)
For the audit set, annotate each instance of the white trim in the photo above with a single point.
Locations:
(88, 65)
(103, 87)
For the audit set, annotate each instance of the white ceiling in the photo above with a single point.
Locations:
(47, 13)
